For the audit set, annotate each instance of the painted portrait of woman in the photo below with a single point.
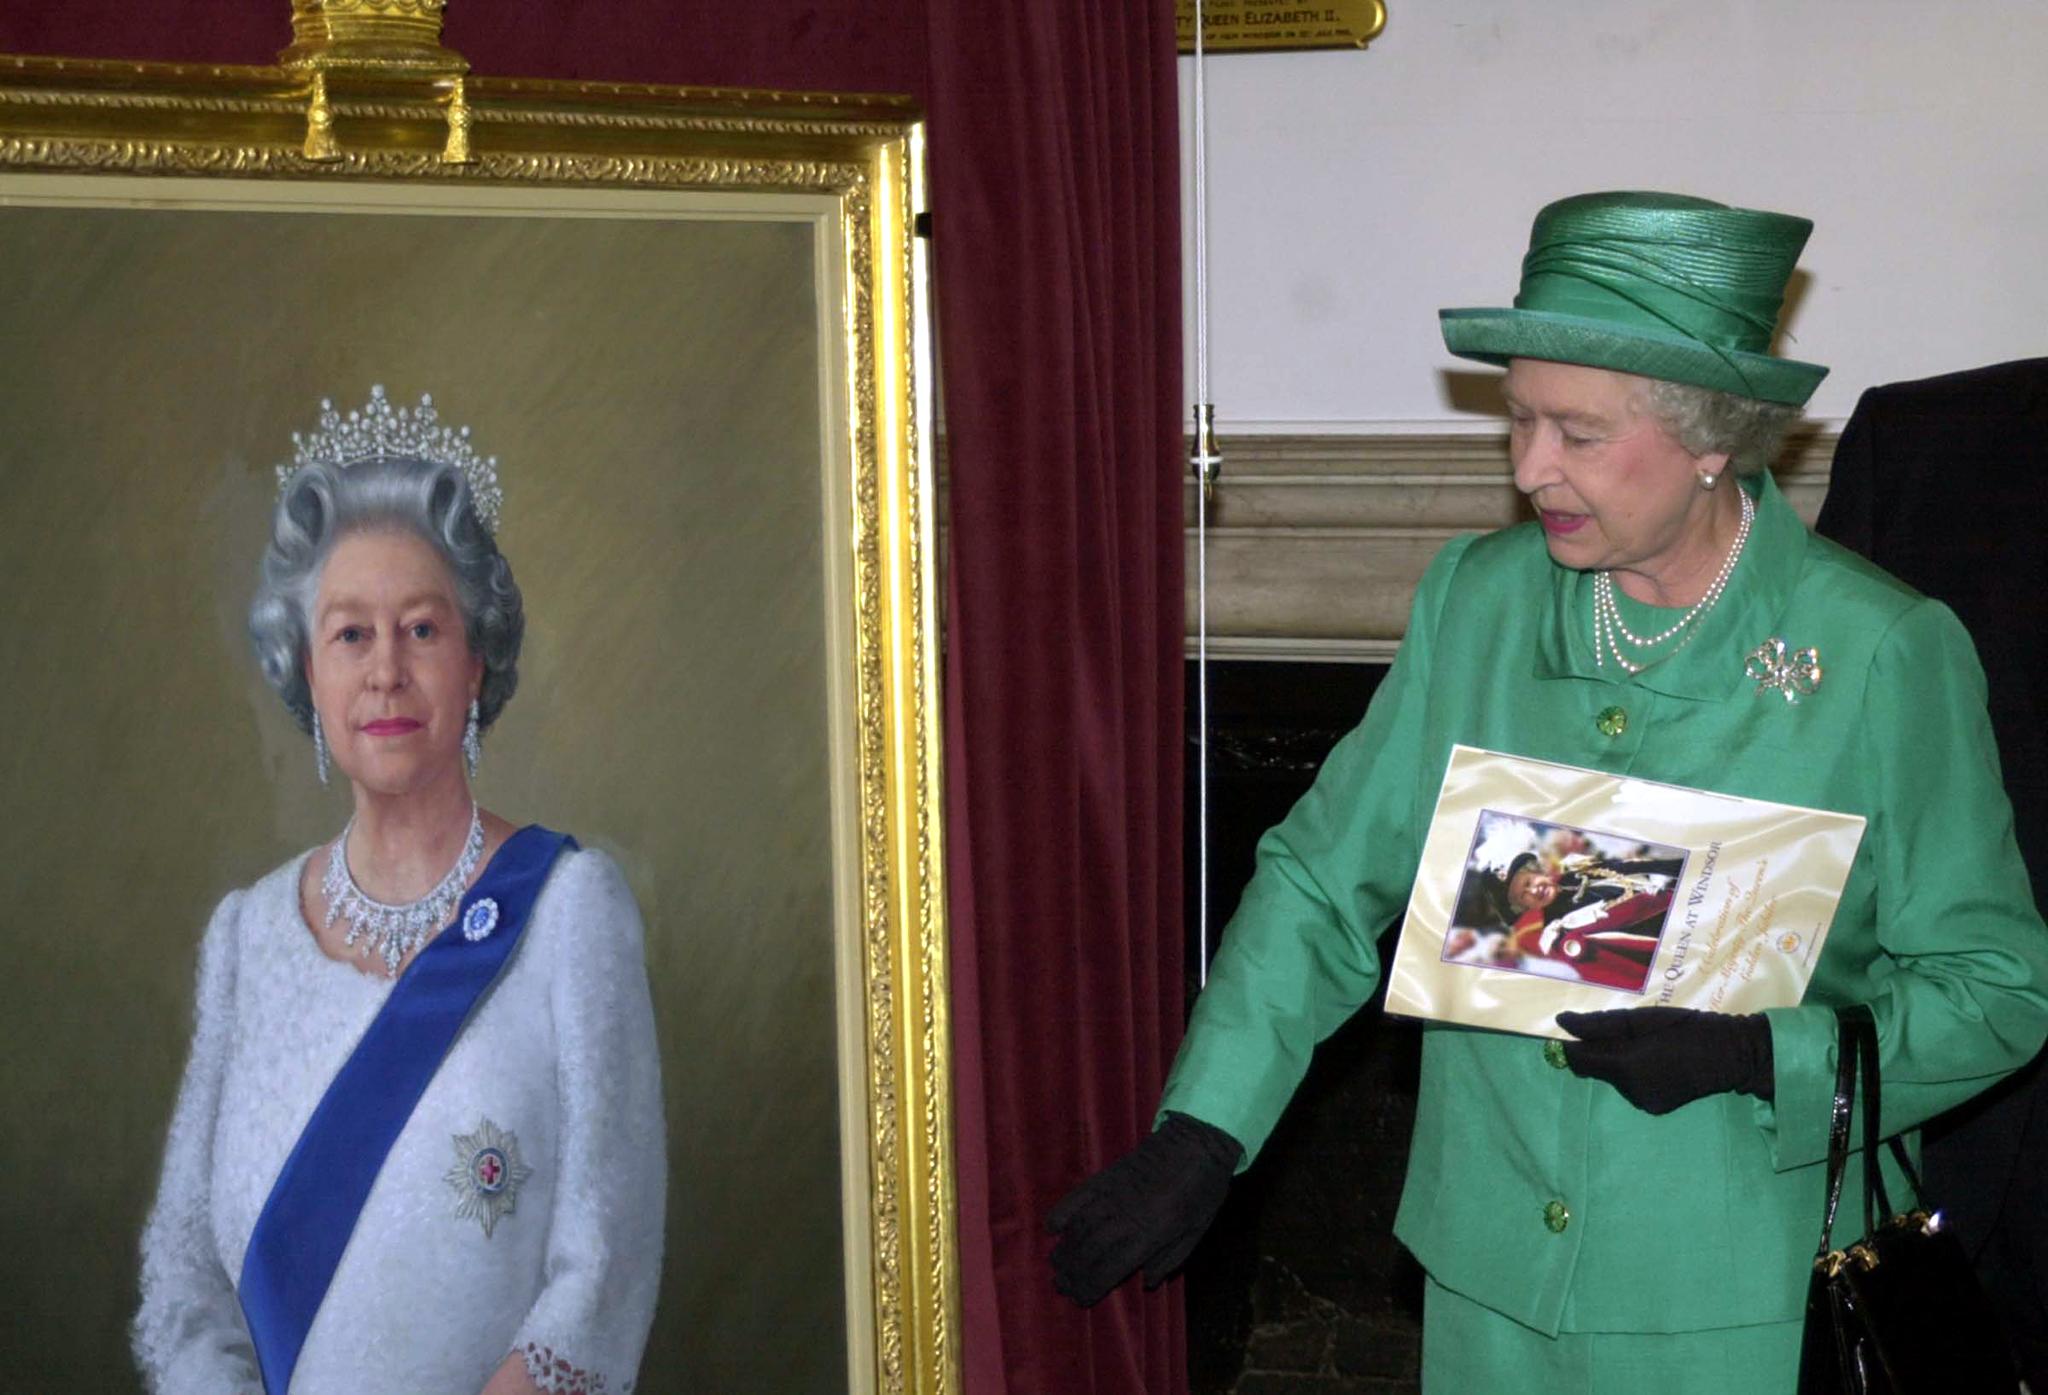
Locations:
(577, 880)
(423, 1077)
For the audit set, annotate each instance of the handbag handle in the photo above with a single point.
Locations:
(1856, 1054)
(1874, 1190)
(1861, 1025)
(1838, 1127)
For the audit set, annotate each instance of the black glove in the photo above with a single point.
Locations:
(1663, 1057)
(1147, 1209)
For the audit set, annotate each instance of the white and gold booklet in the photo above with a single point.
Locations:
(1548, 888)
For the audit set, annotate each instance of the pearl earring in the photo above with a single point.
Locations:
(1708, 480)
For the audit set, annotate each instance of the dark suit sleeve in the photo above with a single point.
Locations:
(1849, 513)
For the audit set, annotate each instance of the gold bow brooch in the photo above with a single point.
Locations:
(1793, 673)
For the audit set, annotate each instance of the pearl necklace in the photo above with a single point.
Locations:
(1609, 632)
(395, 931)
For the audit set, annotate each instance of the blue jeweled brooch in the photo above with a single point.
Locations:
(480, 919)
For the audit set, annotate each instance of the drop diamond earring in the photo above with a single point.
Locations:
(472, 743)
(319, 749)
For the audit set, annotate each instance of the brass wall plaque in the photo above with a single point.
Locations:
(1240, 26)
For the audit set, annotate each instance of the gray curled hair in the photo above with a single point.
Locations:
(1706, 422)
(322, 504)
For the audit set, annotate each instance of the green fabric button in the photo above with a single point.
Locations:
(1612, 721)
(1556, 1216)
(1553, 1052)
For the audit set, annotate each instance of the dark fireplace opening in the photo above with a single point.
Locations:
(1300, 1288)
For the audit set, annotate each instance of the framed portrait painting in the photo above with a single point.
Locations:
(691, 329)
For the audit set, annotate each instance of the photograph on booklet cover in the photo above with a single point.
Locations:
(1561, 901)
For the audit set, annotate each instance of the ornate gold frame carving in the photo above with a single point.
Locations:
(162, 121)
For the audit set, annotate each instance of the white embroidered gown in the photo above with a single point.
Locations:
(561, 1057)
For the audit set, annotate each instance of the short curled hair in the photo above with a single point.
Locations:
(1706, 422)
(321, 505)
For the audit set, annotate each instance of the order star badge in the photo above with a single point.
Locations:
(487, 1175)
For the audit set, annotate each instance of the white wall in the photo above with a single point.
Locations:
(1352, 194)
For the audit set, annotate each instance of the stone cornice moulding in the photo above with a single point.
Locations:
(1317, 540)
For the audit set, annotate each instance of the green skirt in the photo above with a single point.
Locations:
(1468, 1349)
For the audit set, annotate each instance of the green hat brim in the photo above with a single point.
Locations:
(1496, 335)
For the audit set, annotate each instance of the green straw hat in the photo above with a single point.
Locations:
(1657, 284)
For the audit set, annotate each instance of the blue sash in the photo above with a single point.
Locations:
(319, 1193)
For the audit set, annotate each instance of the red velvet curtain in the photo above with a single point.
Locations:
(1055, 196)
(1057, 209)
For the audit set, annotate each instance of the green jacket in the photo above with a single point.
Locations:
(1548, 1197)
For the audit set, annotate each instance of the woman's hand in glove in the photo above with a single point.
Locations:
(1145, 1210)
(1663, 1057)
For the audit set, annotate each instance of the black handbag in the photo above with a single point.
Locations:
(1900, 1312)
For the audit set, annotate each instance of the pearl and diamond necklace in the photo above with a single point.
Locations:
(395, 931)
(1610, 633)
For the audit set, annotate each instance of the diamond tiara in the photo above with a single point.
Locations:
(379, 431)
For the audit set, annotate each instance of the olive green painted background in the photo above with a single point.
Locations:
(652, 391)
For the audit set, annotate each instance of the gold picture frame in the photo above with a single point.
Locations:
(260, 227)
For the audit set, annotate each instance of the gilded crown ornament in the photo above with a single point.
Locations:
(380, 431)
(371, 34)
(374, 41)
